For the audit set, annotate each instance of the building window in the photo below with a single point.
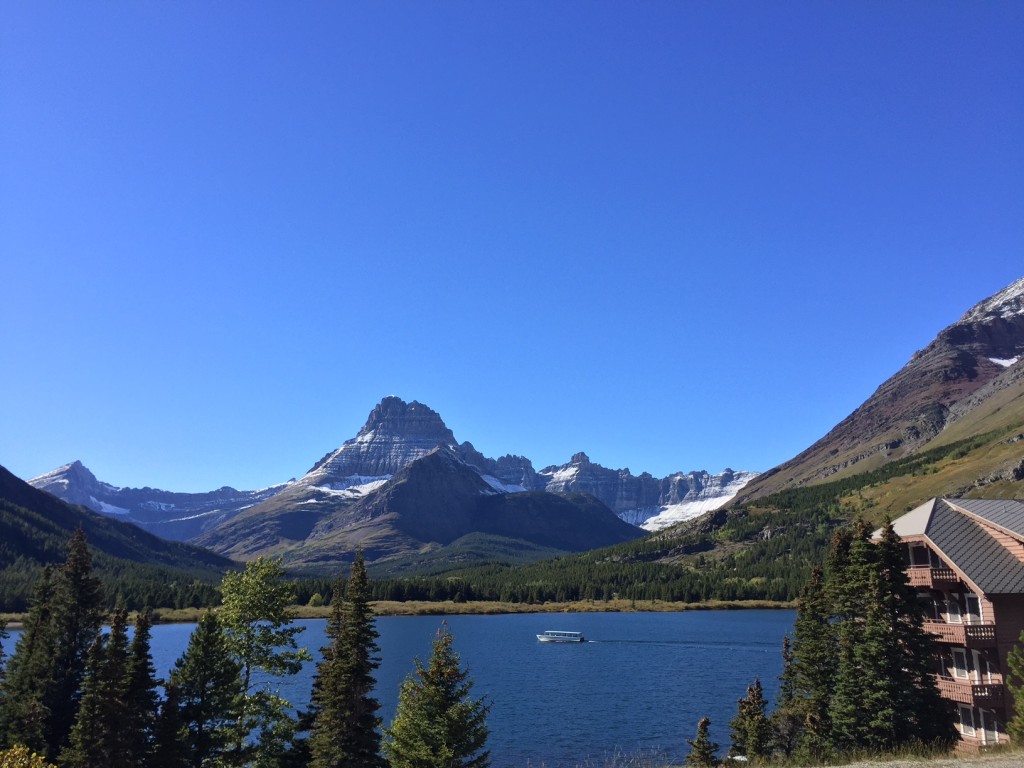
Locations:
(960, 664)
(919, 556)
(953, 610)
(967, 725)
(973, 609)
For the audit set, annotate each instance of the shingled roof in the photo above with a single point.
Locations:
(965, 541)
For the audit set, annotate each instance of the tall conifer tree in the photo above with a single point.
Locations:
(170, 734)
(140, 696)
(750, 729)
(77, 615)
(437, 724)
(703, 751)
(208, 684)
(345, 721)
(811, 667)
(98, 735)
(49, 663)
(30, 673)
(1015, 685)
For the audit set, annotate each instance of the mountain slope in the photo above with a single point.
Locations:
(951, 385)
(429, 504)
(170, 515)
(395, 434)
(34, 530)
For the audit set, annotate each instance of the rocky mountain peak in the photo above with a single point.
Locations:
(579, 458)
(72, 482)
(1009, 302)
(395, 434)
(394, 417)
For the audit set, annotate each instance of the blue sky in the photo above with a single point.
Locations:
(676, 235)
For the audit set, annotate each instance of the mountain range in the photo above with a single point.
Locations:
(949, 423)
(396, 434)
(142, 568)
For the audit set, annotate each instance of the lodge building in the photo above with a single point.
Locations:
(966, 558)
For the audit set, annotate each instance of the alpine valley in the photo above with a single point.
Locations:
(404, 488)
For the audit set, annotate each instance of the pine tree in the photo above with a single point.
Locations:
(811, 668)
(702, 749)
(99, 734)
(1015, 685)
(77, 614)
(47, 668)
(437, 724)
(345, 722)
(140, 698)
(3, 636)
(170, 734)
(30, 673)
(750, 729)
(919, 707)
(785, 719)
(209, 688)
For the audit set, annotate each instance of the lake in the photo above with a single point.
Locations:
(639, 685)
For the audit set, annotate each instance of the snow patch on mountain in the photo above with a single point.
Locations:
(564, 475)
(1004, 363)
(354, 491)
(501, 487)
(719, 491)
(677, 513)
(105, 508)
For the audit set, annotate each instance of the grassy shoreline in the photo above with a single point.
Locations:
(477, 608)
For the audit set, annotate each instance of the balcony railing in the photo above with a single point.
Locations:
(966, 635)
(932, 578)
(973, 694)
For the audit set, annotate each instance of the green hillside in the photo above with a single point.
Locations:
(759, 550)
(34, 531)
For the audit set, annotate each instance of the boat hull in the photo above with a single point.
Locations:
(561, 637)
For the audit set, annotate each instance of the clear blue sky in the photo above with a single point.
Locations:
(676, 235)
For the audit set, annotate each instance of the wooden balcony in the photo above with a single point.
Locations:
(970, 693)
(932, 578)
(963, 635)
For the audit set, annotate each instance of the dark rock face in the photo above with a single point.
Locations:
(940, 383)
(514, 472)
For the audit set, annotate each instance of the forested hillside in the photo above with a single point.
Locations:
(759, 550)
(145, 570)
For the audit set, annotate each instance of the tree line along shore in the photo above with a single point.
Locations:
(856, 678)
(473, 608)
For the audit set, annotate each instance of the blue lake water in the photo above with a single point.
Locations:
(640, 685)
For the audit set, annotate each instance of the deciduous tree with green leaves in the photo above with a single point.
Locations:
(438, 724)
(256, 621)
